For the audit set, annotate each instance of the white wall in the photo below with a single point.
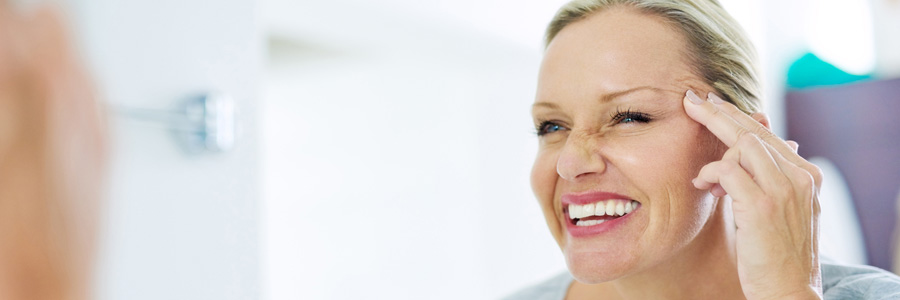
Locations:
(886, 14)
(396, 158)
(178, 226)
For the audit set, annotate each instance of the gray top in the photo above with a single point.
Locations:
(840, 282)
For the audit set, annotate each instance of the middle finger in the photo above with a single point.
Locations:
(783, 148)
(753, 155)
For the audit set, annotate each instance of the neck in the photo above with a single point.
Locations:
(705, 269)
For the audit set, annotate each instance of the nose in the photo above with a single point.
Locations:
(581, 156)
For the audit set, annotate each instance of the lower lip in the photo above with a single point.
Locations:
(587, 231)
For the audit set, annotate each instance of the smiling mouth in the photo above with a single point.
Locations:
(601, 211)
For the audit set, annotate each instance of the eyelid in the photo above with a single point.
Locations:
(540, 121)
(543, 123)
(618, 115)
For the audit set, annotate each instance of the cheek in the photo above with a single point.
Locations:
(543, 184)
(687, 208)
(661, 165)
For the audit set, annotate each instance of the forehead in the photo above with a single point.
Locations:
(614, 50)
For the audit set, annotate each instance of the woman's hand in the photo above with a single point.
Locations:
(774, 196)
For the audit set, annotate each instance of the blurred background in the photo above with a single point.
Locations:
(381, 150)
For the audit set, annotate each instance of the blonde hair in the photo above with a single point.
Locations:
(719, 48)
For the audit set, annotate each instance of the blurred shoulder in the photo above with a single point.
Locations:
(554, 288)
(848, 281)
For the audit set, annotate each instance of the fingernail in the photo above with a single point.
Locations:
(693, 97)
(715, 99)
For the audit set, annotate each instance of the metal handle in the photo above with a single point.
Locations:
(203, 124)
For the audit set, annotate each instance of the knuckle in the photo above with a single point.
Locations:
(802, 177)
(729, 168)
(708, 168)
(804, 185)
(736, 113)
(816, 174)
(744, 136)
(763, 132)
(717, 112)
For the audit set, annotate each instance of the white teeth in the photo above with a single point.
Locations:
(584, 212)
(587, 210)
(601, 208)
(589, 222)
(579, 211)
(574, 211)
(610, 207)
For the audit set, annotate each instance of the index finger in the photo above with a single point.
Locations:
(717, 120)
(728, 123)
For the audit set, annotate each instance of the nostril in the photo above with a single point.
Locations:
(588, 174)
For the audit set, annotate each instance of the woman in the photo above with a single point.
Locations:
(653, 191)
(51, 160)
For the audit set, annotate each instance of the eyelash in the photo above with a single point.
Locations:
(617, 117)
(620, 117)
(542, 128)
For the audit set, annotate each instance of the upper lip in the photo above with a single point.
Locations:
(590, 197)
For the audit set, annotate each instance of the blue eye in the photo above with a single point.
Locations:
(548, 127)
(629, 116)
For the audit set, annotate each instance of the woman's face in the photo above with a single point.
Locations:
(613, 132)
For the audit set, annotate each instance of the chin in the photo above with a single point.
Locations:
(599, 267)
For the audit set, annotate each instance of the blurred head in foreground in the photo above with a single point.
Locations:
(51, 160)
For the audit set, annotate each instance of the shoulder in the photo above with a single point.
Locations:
(554, 288)
(846, 281)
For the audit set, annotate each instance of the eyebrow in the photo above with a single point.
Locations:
(614, 95)
(549, 105)
(605, 98)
